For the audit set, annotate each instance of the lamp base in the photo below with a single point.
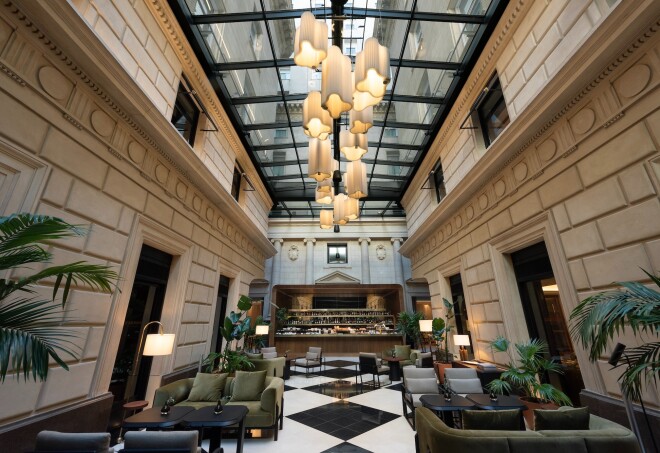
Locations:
(464, 353)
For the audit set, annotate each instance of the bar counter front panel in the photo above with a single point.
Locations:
(337, 343)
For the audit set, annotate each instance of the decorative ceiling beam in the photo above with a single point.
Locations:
(303, 96)
(284, 62)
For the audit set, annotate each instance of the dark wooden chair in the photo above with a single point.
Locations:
(368, 364)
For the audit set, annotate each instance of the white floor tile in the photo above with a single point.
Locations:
(382, 399)
(301, 400)
(393, 437)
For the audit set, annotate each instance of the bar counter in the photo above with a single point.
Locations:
(340, 343)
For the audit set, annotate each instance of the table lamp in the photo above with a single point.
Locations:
(260, 330)
(462, 341)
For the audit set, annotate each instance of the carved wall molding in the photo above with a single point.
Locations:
(560, 141)
(123, 138)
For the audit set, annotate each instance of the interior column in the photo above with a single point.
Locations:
(277, 258)
(398, 270)
(366, 270)
(309, 261)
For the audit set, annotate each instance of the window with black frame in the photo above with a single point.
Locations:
(491, 111)
(439, 182)
(186, 113)
(337, 254)
(236, 183)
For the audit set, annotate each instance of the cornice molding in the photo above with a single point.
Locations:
(455, 214)
(509, 146)
(63, 18)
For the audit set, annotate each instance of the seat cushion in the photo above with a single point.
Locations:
(465, 385)
(248, 385)
(576, 418)
(207, 387)
(256, 417)
(422, 385)
(505, 420)
(461, 373)
(402, 351)
(54, 441)
(161, 439)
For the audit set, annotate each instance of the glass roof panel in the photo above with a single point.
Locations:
(412, 112)
(248, 51)
(424, 82)
(251, 82)
(438, 41)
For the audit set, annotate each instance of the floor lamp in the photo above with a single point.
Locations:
(425, 327)
(261, 330)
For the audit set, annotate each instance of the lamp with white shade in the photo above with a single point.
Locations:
(425, 327)
(462, 341)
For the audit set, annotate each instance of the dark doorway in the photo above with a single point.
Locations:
(460, 308)
(130, 379)
(544, 315)
(220, 312)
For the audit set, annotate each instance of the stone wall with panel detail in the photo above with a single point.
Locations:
(578, 168)
(82, 138)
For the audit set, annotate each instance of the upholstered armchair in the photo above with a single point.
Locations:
(313, 359)
(416, 382)
(463, 380)
(368, 364)
(54, 441)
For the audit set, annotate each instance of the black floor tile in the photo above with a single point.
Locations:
(344, 419)
(339, 389)
(340, 363)
(339, 373)
(286, 387)
(396, 387)
(346, 447)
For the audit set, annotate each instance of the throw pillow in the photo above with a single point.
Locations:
(271, 349)
(576, 418)
(251, 355)
(422, 385)
(507, 420)
(270, 355)
(312, 356)
(207, 387)
(248, 385)
(465, 385)
(402, 351)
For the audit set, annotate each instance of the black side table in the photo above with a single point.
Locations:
(445, 409)
(206, 418)
(151, 418)
(395, 367)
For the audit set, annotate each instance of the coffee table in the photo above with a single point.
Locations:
(483, 401)
(206, 418)
(445, 409)
(395, 367)
(151, 418)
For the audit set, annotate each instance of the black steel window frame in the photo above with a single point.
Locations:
(334, 253)
(492, 102)
(185, 115)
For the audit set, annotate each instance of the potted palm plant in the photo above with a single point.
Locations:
(30, 326)
(441, 328)
(602, 316)
(408, 325)
(525, 374)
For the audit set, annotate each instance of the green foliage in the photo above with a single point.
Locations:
(235, 327)
(30, 328)
(602, 316)
(525, 372)
(442, 327)
(281, 317)
(408, 324)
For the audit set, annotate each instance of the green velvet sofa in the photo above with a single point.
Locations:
(264, 413)
(603, 436)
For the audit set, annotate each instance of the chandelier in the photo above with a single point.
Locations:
(342, 91)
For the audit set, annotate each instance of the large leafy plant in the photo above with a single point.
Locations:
(442, 327)
(602, 316)
(30, 326)
(234, 328)
(525, 373)
(408, 324)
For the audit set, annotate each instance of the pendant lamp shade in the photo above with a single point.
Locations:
(360, 122)
(353, 146)
(311, 41)
(339, 209)
(320, 159)
(325, 193)
(336, 83)
(326, 219)
(372, 68)
(352, 208)
(356, 179)
(317, 122)
(363, 100)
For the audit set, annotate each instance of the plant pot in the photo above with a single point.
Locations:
(533, 403)
(440, 368)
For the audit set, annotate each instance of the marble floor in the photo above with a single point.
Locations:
(328, 413)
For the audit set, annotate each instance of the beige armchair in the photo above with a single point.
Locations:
(416, 382)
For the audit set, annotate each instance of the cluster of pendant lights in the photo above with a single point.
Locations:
(342, 90)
